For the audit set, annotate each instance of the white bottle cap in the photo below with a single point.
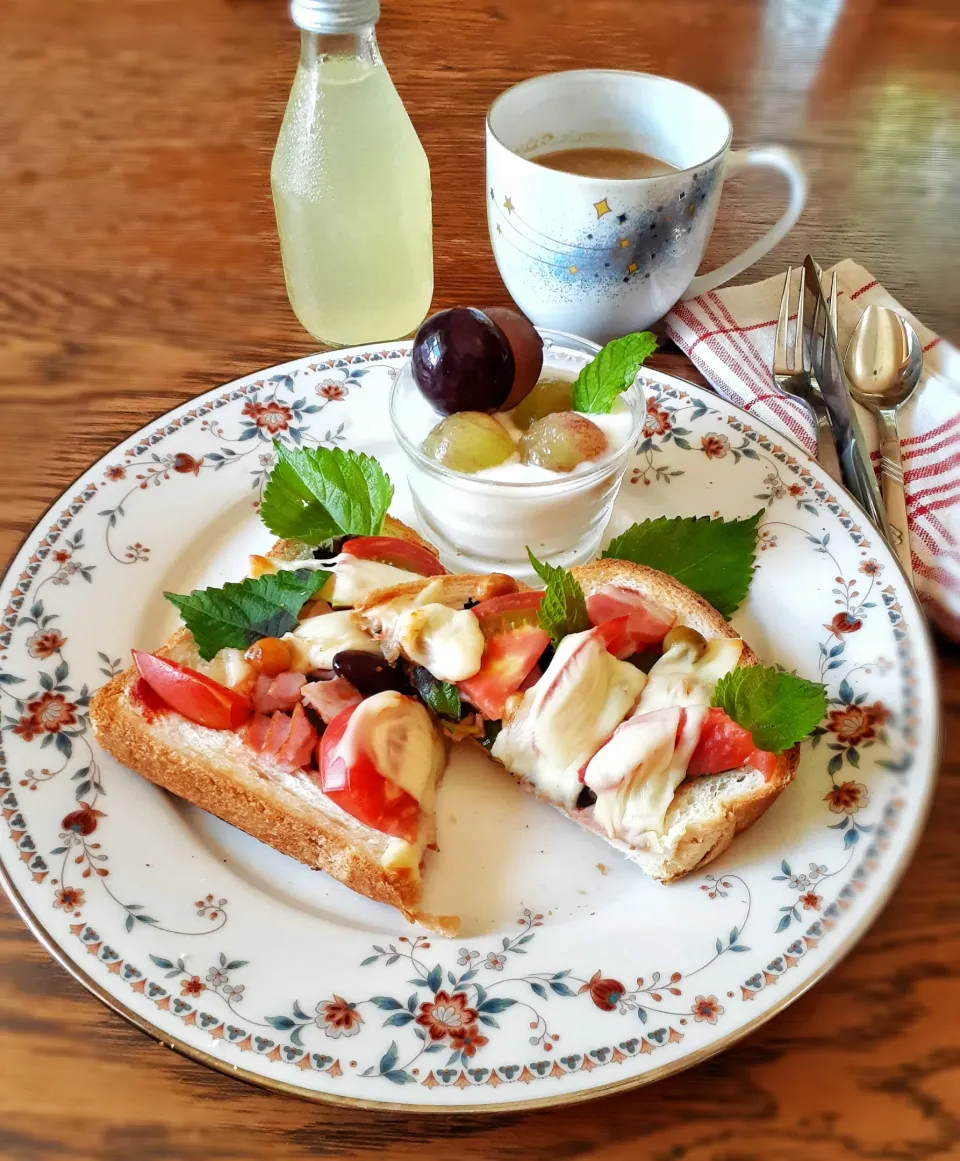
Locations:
(334, 16)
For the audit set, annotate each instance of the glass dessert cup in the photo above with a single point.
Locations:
(486, 525)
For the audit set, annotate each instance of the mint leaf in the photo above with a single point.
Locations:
(442, 697)
(314, 494)
(779, 709)
(612, 370)
(563, 609)
(712, 557)
(238, 614)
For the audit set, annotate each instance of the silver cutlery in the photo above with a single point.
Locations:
(828, 370)
(884, 362)
(791, 373)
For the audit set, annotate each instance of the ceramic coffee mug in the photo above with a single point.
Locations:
(598, 256)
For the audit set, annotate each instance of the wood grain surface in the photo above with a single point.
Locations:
(139, 266)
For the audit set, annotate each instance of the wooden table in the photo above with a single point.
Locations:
(139, 266)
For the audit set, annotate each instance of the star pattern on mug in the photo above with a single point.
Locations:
(601, 207)
(508, 204)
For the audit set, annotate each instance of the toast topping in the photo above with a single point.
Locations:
(396, 734)
(316, 641)
(636, 774)
(447, 642)
(232, 669)
(562, 721)
(356, 580)
(687, 673)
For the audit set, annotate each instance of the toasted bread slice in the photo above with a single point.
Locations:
(216, 771)
(706, 812)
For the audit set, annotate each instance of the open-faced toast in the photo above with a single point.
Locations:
(706, 812)
(217, 770)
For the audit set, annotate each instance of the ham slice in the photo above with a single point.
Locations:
(300, 743)
(276, 733)
(255, 731)
(648, 622)
(289, 739)
(277, 693)
(331, 697)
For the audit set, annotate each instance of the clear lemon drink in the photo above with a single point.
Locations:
(351, 185)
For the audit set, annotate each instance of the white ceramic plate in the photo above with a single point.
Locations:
(574, 975)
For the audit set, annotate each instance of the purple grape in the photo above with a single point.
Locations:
(462, 361)
(527, 347)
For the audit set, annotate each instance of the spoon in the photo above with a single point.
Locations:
(883, 363)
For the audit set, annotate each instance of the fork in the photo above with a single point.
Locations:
(794, 378)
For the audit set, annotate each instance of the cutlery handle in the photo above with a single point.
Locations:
(891, 481)
(827, 455)
(859, 478)
(769, 157)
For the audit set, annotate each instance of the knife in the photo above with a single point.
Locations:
(851, 445)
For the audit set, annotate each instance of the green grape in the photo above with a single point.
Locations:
(469, 441)
(561, 441)
(547, 397)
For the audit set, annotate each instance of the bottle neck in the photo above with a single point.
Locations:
(358, 44)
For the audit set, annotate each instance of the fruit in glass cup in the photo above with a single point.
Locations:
(547, 397)
(464, 359)
(560, 441)
(469, 441)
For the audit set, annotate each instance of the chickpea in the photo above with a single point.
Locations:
(682, 635)
(270, 656)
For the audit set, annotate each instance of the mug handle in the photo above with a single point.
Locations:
(769, 157)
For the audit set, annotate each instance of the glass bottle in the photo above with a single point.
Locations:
(351, 185)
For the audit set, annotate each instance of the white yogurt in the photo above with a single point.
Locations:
(485, 522)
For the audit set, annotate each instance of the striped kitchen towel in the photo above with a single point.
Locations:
(728, 335)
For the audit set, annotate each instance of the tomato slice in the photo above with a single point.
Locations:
(647, 621)
(197, 697)
(361, 790)
(765, 762)
(393, 550)
(508, 657)
(723, 745)
(510, 611)
(508, 602)
(617, 637)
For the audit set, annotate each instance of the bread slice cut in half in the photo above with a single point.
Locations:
(706, 812)
(219, 772)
